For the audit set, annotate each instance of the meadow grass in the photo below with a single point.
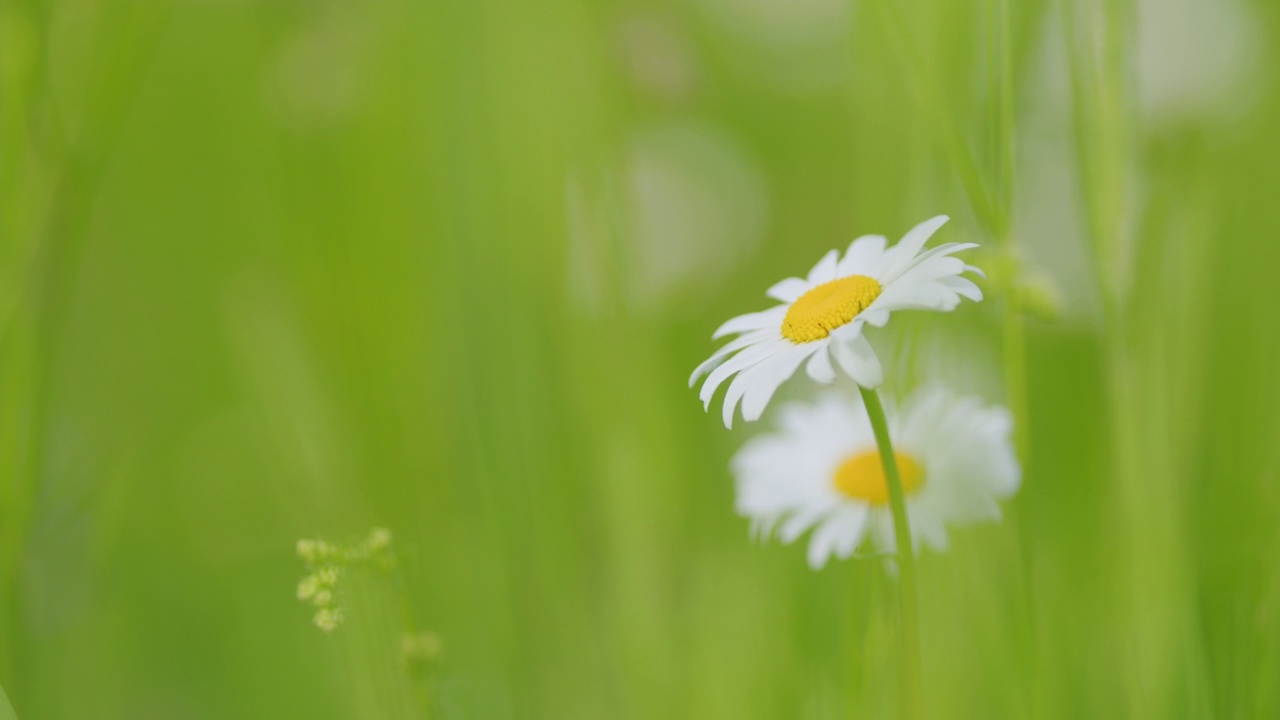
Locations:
(281, 270)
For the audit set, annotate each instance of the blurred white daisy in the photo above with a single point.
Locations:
(822, 471)
(822, 317)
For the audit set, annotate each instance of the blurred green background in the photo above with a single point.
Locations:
(298, 268)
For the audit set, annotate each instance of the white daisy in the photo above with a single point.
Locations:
(822, 471)
(823, 314)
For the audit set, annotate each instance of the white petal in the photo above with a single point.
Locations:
(917, 236)
(919, 415)
(920, 288)
(863, 255)
(772, 374)
(788, 290)
(963, 286)
(739, 387)
(742, 361)
(752, 321)
(899, 257)
(939, 251)
(822, 542)
(859, 361)
(853, 527)
(932, 295)
(927, 526)
(738, 343)
(874, 316)
(825, 270)
(881, 526)
(819, 367)
(795, 525)
(931, 269)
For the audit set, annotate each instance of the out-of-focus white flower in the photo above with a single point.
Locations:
(320, 73)
(659, 57)
(792, 46)
(1195, 58)
(822, 471)
(692, 204)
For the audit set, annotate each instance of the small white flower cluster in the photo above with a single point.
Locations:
(327, 562)
(318, 589)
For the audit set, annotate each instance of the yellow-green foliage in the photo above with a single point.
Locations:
(274, 269)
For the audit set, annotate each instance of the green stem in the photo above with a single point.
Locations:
(922, 78)
(909, 684)
(1015, 374)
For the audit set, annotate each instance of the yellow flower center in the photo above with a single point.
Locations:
(816, 313)
(861, 477)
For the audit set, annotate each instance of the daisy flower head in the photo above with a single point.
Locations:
(822, 471)
(822, 317)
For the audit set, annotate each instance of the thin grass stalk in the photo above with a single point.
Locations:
(929, 92)
(909, 672)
